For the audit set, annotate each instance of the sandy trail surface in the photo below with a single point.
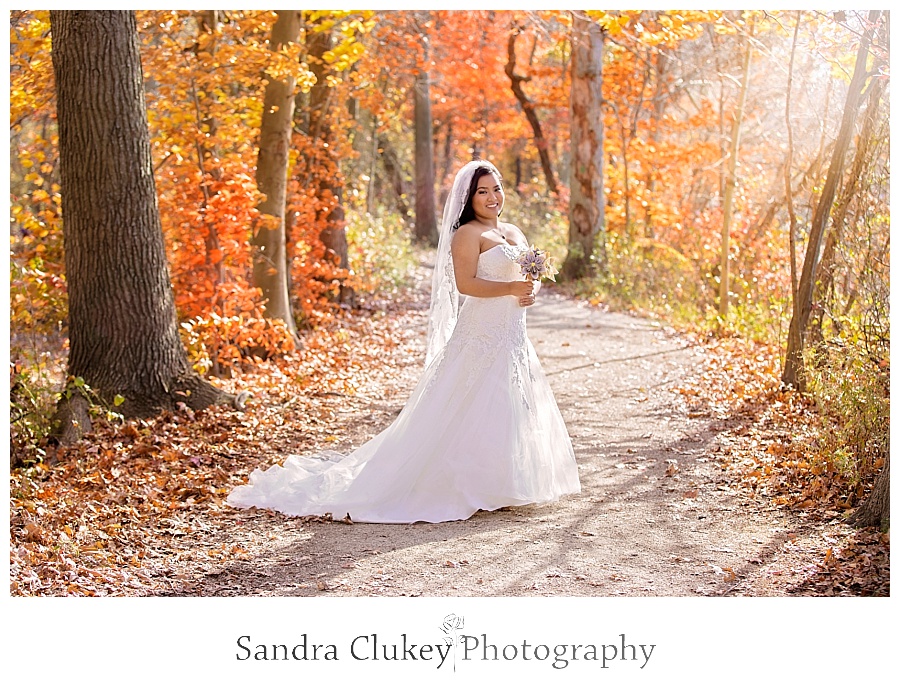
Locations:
(657, 514)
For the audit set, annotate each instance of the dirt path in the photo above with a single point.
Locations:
(656, 515)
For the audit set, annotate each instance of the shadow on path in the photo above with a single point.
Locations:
(655, 517)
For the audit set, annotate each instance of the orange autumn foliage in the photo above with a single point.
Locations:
(37, 288)
(663, 140)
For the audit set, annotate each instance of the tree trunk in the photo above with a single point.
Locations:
(626, 180)
(425, 230)
(731, 181)
(714, 39)
(208, 22)
(586, 211)
(628, 134)
(123, 334)
(765, 218)
(793, 366)
(426, 218)
(391, 164)
(329, 185)
(788, 192)
(825, 285)
(269, 265)
(447, 169)
(660, 93)
(516, 81)
(875, 512)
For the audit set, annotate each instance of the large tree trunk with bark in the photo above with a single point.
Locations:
(123, 333)
(269, 264)
(793, 366)
(586, 199)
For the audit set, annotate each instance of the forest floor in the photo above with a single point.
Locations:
(685, 448)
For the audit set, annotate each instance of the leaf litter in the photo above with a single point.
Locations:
(112, 513)
(769, 451)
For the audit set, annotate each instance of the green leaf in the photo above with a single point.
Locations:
(118, 400)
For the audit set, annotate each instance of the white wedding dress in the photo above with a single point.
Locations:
(481, 431)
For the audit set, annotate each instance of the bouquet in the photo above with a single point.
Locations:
(536, 264)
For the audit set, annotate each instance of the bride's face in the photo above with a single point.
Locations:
(487, 200)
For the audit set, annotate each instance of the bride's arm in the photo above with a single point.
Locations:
(536, 283)
(465, 249)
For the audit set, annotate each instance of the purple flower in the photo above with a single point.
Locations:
(536, 264)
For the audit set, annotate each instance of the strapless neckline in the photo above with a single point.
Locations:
(515, 246)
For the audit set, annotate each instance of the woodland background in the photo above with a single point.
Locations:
(742, 194)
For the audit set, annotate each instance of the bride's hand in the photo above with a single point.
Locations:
(523, 291)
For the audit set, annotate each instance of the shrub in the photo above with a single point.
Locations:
(224, 341)
(380, 251)
(851, 388)
(649, 275)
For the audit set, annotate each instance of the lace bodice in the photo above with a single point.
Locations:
(500, 265)
(493, 326)
(498, 319)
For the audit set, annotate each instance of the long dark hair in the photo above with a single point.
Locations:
(468, 213)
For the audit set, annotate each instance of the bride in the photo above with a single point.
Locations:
(482, 429)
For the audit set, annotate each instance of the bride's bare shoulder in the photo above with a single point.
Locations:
(468, 233)
(470, 228)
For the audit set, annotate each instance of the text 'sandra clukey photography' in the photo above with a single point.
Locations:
(450, 651)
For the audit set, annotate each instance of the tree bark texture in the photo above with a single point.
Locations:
(269, 264)
(516, 81)
(426, 217)
(793, 366)
(123, 333)
(875, 512)
(586, 200)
